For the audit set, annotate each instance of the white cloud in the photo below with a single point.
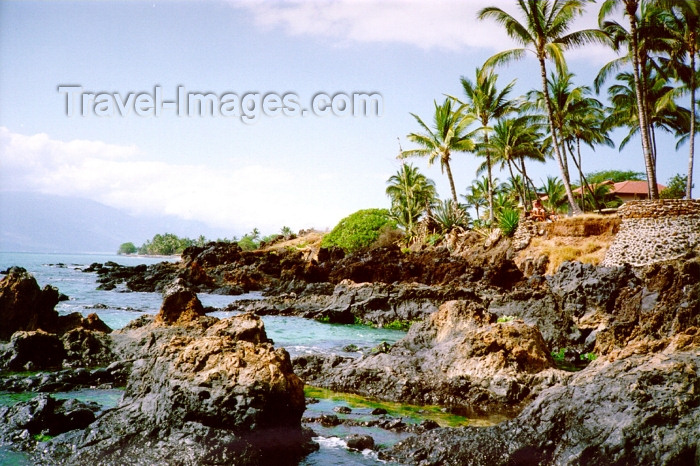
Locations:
(237, 198)
(441, 24)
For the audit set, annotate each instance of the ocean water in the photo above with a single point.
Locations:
(118, 307)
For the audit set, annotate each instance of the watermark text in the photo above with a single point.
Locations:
(247, 106)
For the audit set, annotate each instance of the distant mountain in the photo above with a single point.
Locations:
(33, 222)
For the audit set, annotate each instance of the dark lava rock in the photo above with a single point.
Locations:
(644, 409)
(87, 348)
(360, 442)
(329, 420)
(35, 350)
(378, 411)
(342, 410)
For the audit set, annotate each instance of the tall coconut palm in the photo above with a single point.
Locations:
(630, 8)
(544, 33)
(487, 103)
(411, 194)
(578, 118)
(685, 27)
(448, 134)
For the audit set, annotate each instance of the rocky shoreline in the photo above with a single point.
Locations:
(481, 342)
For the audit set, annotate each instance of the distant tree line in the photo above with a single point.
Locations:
(168, 244)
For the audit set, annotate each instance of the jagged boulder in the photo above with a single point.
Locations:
(180, 305)
(25, 306)
(459, 357)
(35, 350)
(20, 423)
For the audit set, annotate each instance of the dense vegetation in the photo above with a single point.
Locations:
(650, 88)
(358, 230)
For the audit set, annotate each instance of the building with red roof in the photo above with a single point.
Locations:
(628, 190)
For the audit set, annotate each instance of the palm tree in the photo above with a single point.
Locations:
(684, 27)
(411, 194)
(448, 134)
(487, 103)
(553, 189)
(477, 194)
(630, 10)
(513, 141)
(544, 32)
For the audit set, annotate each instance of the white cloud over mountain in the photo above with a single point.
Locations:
(235, 198)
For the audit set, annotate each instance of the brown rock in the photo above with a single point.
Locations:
(180, 305)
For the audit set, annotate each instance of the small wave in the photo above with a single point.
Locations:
(331, 442)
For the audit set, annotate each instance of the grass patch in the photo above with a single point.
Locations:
(590, 250)
(506, 319)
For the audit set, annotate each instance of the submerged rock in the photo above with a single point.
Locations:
(23, 424)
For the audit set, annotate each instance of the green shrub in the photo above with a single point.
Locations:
(508, 221)
(358, 230)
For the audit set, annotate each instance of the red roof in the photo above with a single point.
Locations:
(627, 187)
(634, 187)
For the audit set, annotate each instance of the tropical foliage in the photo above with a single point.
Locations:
(508, 221)
(167, 244)
(487, 103)
(127, 248)
(676, 188)
(546, 33)
(448, 215)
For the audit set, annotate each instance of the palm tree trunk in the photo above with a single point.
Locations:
(691, 143)
(526, 181)
(488, 167)
(446, 163)
(555, 143)
(584, 181)
(631, 7)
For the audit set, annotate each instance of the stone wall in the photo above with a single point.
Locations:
(654, 231)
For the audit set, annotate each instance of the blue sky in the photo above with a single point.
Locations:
(297, 171)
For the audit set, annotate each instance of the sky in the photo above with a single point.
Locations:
(280, 166)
